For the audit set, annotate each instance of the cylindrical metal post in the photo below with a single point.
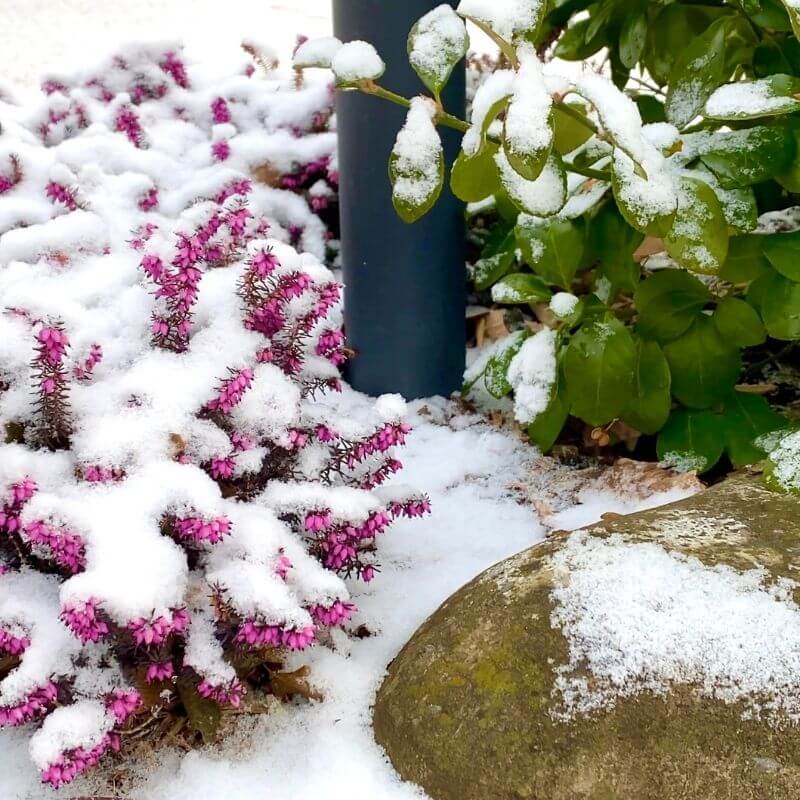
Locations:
(405, 284)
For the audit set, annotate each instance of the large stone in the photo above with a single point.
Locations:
(469, 710)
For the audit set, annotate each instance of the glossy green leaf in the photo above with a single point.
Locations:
(569, 133)
(746, 418)
(475, 177)
(702, 65)
(782, 250)
(778, 299)
(650, 401)
(598, 368)
(692, 441)
(489, 270)
(668, 302)
(632, 38)
(746, 260)
(698, 239)
(704, 367)
(738, 323)
(751, 155)
(520, 287)
(494, 376)
(546, 428)
(553, 247)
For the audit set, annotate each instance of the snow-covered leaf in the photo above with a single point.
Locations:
(317, 52)
(520, 287)
(767, 97)
(691, 441)
(543, 197)
(437, 42)
(355, 62)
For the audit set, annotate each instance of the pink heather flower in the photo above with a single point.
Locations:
(123, 704)
(53, 344)
(220, 111)
(325, 434)
(297, 439)
(12, 644)
(297, 638)
(264, 263)
(155, 631)
(367, 573)
(256, 634)
(83, 620)
(226, 694)
(231, 391)
(159, 671)
(59, 193)
(242, 187)
(196, 529)
(221, 150)
(66, 548)
(95, 473)
(128, 123)
(7, 183)
(36, 704)
(73, 762)
(83, 372)
(173, 66)
(11, 509)
(318, 521)
(241, 442)
(149, 201)
(222, 468)
(282, 566)
(336, 614)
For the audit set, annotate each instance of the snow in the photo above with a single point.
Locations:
(357, 61)
(417, 155)
(543, 197)
(563, 304)
(532, 373)
(317, 52)
(498, 85)
(507, 18)
(748, 99)
(732, 636)
(785, 458)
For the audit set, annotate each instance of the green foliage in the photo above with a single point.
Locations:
(598, 188)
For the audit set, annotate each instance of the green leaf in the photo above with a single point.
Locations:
(692, 441)
(746, 260)
(489, 270)
(703, 64)
(475, 177)
(568, 133)
(704, 367)
(631, 194)
(494, 376)
(598, 368)
(632, 38)
(790, 180)
(650, 108)
(698, 239)
(546, 428)
(748, 417)
(204, 715)
(520, 287)
(611, 238)
(767, 97)
(553, 247)
(668, 302)
(779, 303)
(752, 155)
(574, 45)
(436, 43)
(738, 323)
(543, 197)
(651, 401)
(783, 252)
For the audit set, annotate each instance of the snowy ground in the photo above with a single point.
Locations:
(326, 749)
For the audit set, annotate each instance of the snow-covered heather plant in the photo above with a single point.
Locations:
(624, 203)
(181, 503)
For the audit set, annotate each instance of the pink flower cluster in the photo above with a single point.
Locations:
(85, 620)
(226, 695)
(64, 547)
(36, 704)
(59, 193)
(12, 644)
(231, 391)
(257, 634)
(11, 509)
(84, 371)
(8, 182)
(98, 474)
(333, 615)
(72, 763)
(51, 382)
(155, 631)
(197, 530)
(127, 122)
(123, 704)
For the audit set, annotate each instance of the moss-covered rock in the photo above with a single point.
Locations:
(470, 708)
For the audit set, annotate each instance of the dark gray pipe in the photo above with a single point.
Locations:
(405, 284)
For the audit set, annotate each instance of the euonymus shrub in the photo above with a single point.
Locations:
(686, 135)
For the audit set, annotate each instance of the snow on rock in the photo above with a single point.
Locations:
(641, 618)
